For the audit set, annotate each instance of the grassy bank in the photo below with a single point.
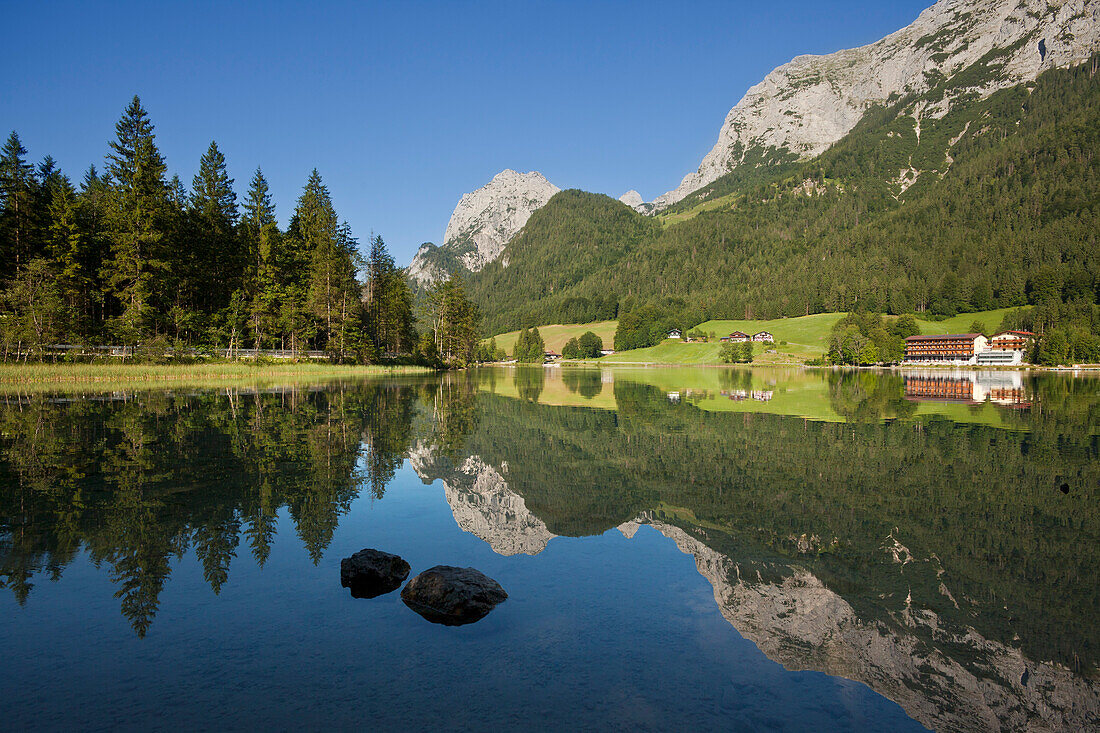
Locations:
(111, 375)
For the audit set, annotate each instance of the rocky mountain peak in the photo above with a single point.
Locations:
(804, 106)
(632, 198)
(483, 222)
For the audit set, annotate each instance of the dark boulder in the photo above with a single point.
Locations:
(452, 596)
(369, 573)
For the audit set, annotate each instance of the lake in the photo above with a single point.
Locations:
(701, 549)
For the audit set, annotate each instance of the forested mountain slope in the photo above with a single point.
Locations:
(995, 204)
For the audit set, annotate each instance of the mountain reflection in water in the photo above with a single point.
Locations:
(934, 537)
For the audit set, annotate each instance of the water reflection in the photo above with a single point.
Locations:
(934, 560)
(144, 477)
(971, 387)
(917, 532)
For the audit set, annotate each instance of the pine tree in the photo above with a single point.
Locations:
(388, 302)
(261, 239)
(333, 293)
(17, 183)
(217, 257)
(139, 263)
(69, 252)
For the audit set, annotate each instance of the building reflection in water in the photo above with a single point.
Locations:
(969, 387)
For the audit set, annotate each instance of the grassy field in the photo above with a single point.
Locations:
(961, 323)
(726, 201)
(806, 336)
(673, 351)
(556, 335)
(108, 376)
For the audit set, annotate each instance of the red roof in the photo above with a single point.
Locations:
(945, 336)
(1015, 333)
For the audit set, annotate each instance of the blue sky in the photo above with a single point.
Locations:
(405, 106)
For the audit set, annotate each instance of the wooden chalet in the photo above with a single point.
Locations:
(1011, 340)
(763, 337)
(736, 337)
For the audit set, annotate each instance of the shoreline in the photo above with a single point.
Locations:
(803, 365)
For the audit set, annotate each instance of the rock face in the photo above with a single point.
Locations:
(806, 105)
(452, 596)
(482, 223)
(425, 268)
(634, 200)
(369, 573)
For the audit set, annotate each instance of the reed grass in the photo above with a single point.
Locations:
(60, 375)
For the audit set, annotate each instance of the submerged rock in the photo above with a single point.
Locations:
(369, 573)
(452, 596)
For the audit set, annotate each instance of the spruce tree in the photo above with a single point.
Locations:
(139, 264)
(261, 239)
(217, 258)
(333, 298)
(17, 183)
(388, 302)
(71, 258)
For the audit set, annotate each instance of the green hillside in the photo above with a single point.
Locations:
(806, 336)
(556, 335)
(961, 323)
(573, 236)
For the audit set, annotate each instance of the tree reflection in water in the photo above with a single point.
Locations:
(139, 478)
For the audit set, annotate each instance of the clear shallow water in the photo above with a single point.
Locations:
(173, 560)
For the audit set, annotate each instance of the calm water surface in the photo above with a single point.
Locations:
(683, 549)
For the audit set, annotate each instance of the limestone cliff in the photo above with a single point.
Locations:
(806, 105)
(482, 223)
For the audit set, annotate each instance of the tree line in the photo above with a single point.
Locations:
(131, 257)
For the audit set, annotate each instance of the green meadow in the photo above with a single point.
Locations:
(961, 323)
(556, 335)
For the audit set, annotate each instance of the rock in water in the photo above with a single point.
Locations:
(452, 596)
(371, 573)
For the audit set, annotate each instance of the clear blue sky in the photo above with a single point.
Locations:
(405, 106)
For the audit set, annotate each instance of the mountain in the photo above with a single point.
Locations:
(949, 200)
(575, 235)
(803, 107)
(482, 224)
